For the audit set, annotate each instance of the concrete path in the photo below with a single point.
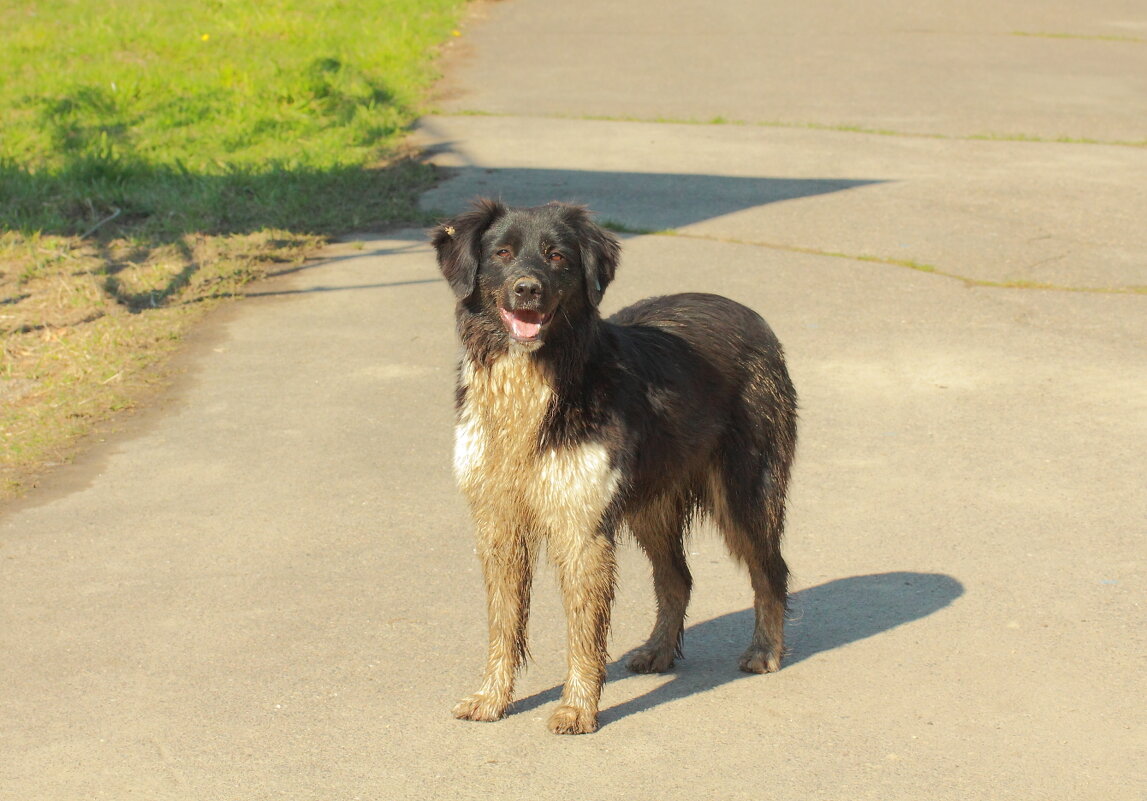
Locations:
(268, 590)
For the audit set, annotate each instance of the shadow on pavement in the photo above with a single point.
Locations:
(822, 618)
(629, 202)
(266, 293)
(363, 250)
(636, 201)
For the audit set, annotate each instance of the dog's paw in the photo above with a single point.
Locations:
(650, 660)
(479, 706)
(760, 660)
(573, 720)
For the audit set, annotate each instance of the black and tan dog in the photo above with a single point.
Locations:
(570, 426)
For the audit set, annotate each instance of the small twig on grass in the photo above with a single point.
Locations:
(93, 229)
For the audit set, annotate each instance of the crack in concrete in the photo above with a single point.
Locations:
(904, 263)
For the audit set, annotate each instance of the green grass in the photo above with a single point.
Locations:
(212, 117)
(157, 155)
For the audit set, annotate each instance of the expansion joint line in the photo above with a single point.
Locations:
(812, 126)
(903, 263)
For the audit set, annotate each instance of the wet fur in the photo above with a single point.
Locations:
(674, 406)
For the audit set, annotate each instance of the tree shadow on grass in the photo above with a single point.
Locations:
(827, 617)
(157, 236)
(100, 198)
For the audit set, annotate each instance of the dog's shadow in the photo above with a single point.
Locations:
(821, 619)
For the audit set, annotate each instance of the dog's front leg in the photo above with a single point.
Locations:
(507, 557)
(586, 571)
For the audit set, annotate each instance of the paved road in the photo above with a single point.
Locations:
(268, 589)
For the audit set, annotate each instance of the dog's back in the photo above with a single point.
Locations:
(713, 381)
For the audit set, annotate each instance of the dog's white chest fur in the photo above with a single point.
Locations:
(498, 463)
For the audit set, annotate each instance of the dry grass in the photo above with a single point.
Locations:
(86, 328)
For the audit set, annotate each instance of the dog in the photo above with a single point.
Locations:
(571, 427)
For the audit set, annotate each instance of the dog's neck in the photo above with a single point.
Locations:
(513, 379)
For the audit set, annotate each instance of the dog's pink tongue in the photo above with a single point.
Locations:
(525, 324)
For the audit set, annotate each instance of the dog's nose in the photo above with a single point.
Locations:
(527, 288)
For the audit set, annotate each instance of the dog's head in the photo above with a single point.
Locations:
(536, 269)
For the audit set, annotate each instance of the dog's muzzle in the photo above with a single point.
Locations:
(523, 313)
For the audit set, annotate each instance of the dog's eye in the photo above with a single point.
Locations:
(503, 253)
(555, 257)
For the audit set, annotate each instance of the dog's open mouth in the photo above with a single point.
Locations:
(524, 325)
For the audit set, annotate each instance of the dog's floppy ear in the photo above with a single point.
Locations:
(600, 252)
(459, 244)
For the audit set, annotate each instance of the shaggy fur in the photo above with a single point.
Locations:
(570, 427)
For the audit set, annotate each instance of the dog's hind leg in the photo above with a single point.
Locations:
(749, 509)
(586, 571)
(507, 564)
(769, 575)
(748, 488)
(659, 528)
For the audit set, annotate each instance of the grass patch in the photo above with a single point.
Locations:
(155, 156)
(1084, 36)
